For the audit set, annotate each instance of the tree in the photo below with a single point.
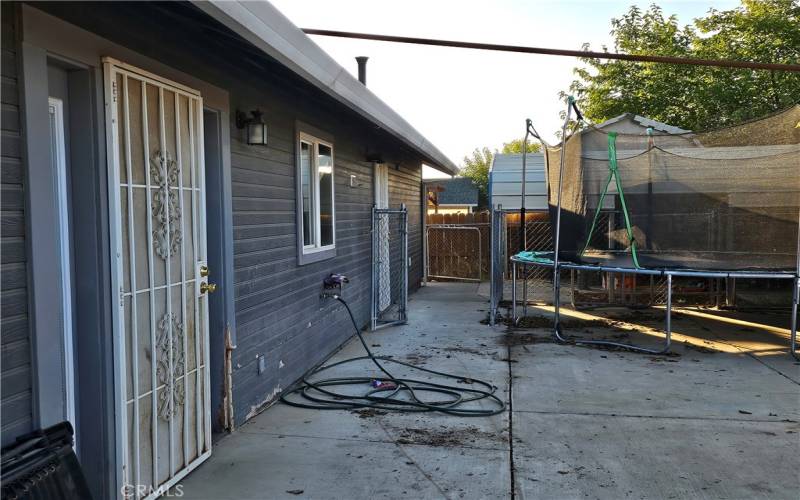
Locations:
(515, 146)
(476, 168)
(696, 97)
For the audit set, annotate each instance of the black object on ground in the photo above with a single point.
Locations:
(43, 465)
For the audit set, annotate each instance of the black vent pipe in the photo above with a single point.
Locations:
(362, 69)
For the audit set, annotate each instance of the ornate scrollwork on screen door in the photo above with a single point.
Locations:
(167, 234)
(172, 380)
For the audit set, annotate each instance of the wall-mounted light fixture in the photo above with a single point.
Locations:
(256, 129)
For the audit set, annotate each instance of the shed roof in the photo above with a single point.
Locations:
(644, 122)
(268, 29)
(455, 191)
(513, 162)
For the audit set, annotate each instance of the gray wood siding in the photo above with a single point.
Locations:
(405, 186)
(16, 348)
(278, 310)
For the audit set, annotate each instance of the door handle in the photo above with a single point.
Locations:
(207, 287)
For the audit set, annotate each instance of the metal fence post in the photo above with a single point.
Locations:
(373, 271)
(406, 262)
(492, 256)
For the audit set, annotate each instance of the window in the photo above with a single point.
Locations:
(316, 232)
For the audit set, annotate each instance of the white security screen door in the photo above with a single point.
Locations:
(382, 201)
(157, 204)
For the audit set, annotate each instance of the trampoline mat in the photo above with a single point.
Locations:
(710, 261)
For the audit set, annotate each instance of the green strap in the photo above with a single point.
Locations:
(613, 173)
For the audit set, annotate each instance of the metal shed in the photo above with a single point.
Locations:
(505, 182)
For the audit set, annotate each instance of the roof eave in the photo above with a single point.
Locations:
(265, 27)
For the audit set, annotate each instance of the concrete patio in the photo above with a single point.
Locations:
(719, 418)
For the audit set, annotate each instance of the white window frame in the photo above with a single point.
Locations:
(315, 251)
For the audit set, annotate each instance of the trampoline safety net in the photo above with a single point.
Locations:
(728, 199)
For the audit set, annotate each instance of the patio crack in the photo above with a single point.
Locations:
(659, 417)
(511, 466)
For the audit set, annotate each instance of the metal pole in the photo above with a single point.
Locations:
(668, 324)
(513, 293)
(372, 313)
(796, 296)
(492, 256)
(480, 255)
(525, 274)
(522, 229)
(404, 221)
(427, 256)
(556, 274)
(425, 242)
(795, 301)
(723, 63)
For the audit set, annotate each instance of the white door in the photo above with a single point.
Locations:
(157, 204)
(382, 201)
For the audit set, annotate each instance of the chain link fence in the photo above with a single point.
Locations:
(536, 284)
(389, 267)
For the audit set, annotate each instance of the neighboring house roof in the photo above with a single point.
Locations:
(268, 29)
(643, 122)
(505, 181)
(456, 191)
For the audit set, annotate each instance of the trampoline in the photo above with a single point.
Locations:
(720, 204)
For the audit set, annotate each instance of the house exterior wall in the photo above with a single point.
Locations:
(278, 312)
(17, 411)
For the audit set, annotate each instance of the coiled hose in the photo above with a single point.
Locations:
(403, 394)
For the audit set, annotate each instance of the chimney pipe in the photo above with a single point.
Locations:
(362, 69)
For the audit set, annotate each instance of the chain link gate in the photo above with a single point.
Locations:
(454, 252)
(537, 281)
(389, 267)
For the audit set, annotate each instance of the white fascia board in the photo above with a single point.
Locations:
(268, 29)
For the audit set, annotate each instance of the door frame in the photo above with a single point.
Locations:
(219, 244)
(59, 158)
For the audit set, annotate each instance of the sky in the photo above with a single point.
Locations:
(462, 99)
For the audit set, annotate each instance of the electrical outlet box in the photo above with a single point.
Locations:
(262, 364)
(353, 181)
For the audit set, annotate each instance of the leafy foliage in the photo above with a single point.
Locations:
(476, 167)
(515, 146)
(696, 97)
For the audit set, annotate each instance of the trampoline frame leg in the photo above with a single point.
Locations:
(795, 301)
(513, 294)
(667, 327)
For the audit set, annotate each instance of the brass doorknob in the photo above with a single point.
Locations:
(207, 287)
(203, 271)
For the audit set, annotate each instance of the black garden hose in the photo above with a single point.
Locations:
(320, 394)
